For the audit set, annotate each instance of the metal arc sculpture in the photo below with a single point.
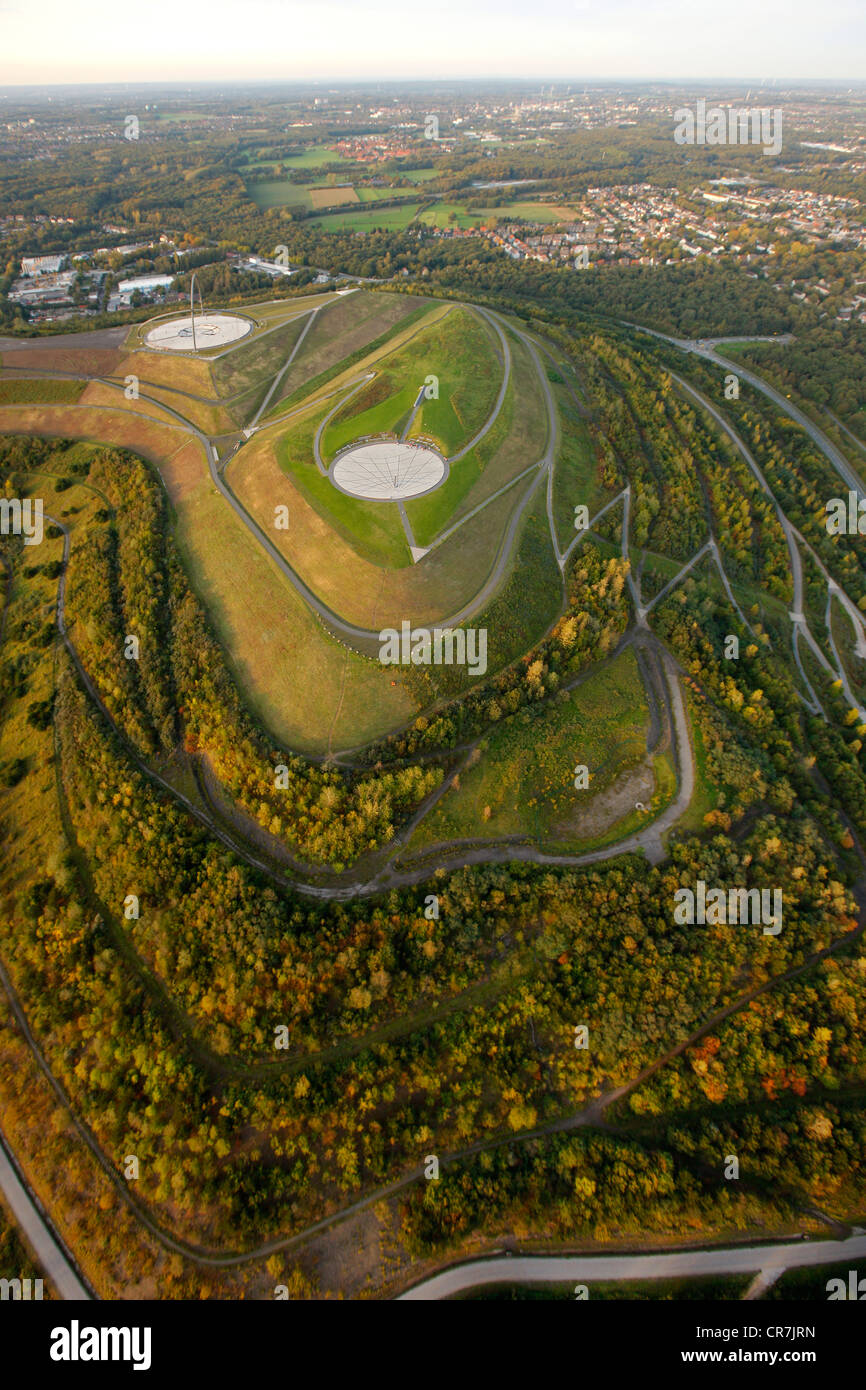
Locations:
(192, 307)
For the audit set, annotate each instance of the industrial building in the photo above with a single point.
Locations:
(42, 265)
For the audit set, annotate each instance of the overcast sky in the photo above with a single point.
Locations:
(126, 40)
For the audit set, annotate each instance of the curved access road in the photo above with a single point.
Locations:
(51, 1253)
(332, 620)
(565, 1269)
(707, 348)
(648, 840)
(506, 377)
(491, 584)
(792, 536)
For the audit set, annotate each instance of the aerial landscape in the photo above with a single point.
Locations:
(433, 652)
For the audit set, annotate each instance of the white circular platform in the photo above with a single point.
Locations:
(386, 470)
(211, 330)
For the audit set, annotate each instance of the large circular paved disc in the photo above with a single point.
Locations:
(387, 470)
(211, 330)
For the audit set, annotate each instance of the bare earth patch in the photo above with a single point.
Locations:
(611, 805)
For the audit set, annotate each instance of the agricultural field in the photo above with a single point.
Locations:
(367, 219)
(313, 157)
(278, 193)
(332, 197)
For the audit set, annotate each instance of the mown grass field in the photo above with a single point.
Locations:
(389, 219)
(456, 214)
(523, 783)
(443, 214)
(516, 440)
(458, 349)
(282, 193)
(374, 195)
(278, 193)
(314, 157)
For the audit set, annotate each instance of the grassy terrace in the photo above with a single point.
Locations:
(458, 349)
(523, 782)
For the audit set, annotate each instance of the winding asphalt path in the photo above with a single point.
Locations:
(647, 840)
(685, 767)
(586, 1269)
(801, 627)
(365, 636)
(707, 348)
(506, 377)
(47, 1246)
(358, 635)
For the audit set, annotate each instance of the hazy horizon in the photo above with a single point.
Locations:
(99, 43)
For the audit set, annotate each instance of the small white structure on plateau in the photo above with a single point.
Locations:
(388, 470)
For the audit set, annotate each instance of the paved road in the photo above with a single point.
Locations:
(44, 1241)
(794, 538)
(801, 627)
(685, 775)
(364, 636)
(563, 555)
(706, 549)
(289, 360)
(352, 389)
(584, 1269)
(647, 840)
(706, 348)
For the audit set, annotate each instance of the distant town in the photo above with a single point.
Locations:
(534, 174)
